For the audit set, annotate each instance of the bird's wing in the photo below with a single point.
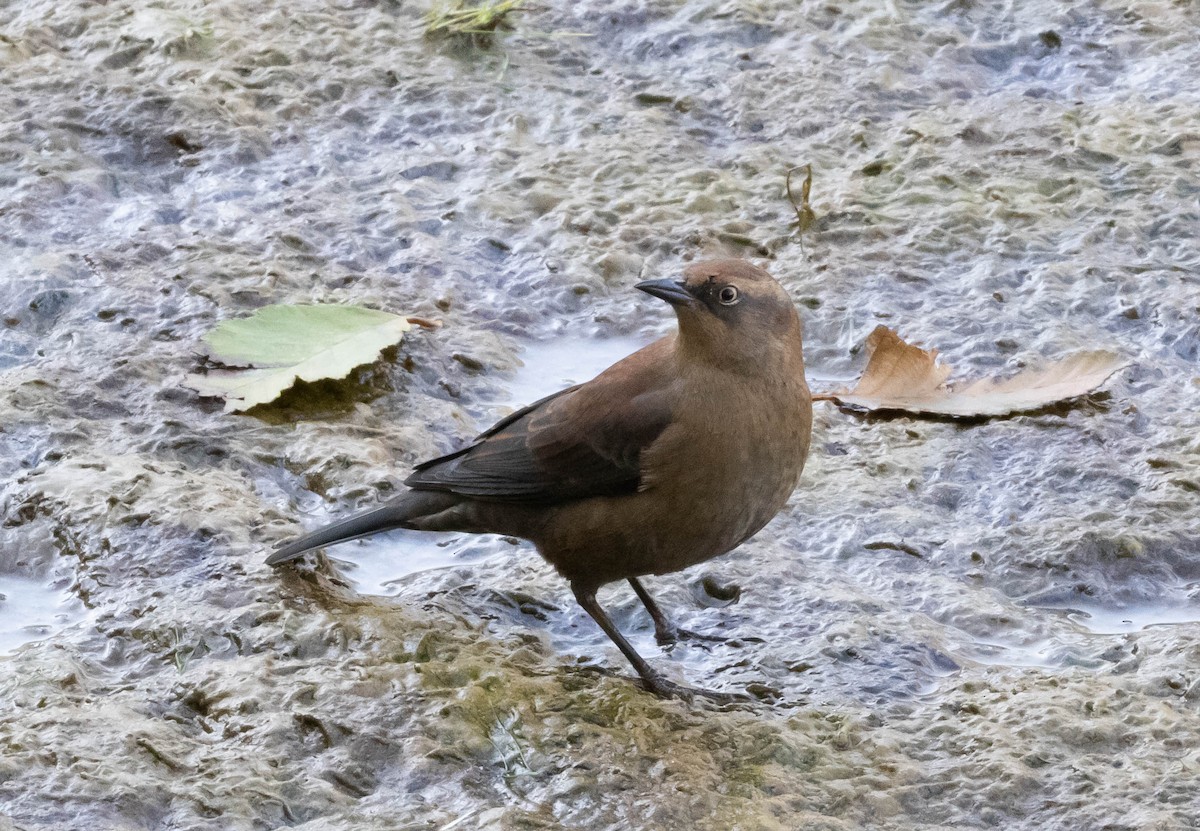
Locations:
(583, 441)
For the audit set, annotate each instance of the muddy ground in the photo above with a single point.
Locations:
(951, 626)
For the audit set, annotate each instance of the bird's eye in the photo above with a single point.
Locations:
(728, 296)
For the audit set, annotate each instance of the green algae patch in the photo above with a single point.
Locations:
(581, 738)
(476, 22)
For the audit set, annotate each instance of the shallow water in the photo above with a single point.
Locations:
(31, 610)
(950, 626)
(551, 365)
(1102, 621)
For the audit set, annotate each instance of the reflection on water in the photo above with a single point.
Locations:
(1100, 620)
(31, 610)
(554, 364)
(1078, 630)
(378, 565)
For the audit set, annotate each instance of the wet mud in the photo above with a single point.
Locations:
(990, 625)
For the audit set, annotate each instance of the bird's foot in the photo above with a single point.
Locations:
(669, 689)
(670, 635)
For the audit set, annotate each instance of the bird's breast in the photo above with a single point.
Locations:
(723, 468)
(742, 463)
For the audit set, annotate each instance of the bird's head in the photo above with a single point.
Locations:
(732, 313)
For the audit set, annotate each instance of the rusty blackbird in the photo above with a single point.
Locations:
(674, 455)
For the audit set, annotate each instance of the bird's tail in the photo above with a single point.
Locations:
(407, 511)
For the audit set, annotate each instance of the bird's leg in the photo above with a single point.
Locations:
(655, 683)
(666, 632)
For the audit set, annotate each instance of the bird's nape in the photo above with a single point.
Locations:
(615, 478)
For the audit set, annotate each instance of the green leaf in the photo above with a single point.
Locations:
(280, 344)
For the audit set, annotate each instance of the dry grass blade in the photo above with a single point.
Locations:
(805, 215)
(903, 377)
(804, 212)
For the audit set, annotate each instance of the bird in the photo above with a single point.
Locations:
(674, 455)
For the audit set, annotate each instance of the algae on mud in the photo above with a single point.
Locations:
(1028, 194)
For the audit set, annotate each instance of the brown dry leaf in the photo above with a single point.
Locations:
(900, 376)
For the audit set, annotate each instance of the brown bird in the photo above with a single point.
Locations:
(674, 455)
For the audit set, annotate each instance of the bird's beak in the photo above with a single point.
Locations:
(673, 291)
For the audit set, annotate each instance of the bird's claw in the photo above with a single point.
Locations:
(669, 689)
(671, 636)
